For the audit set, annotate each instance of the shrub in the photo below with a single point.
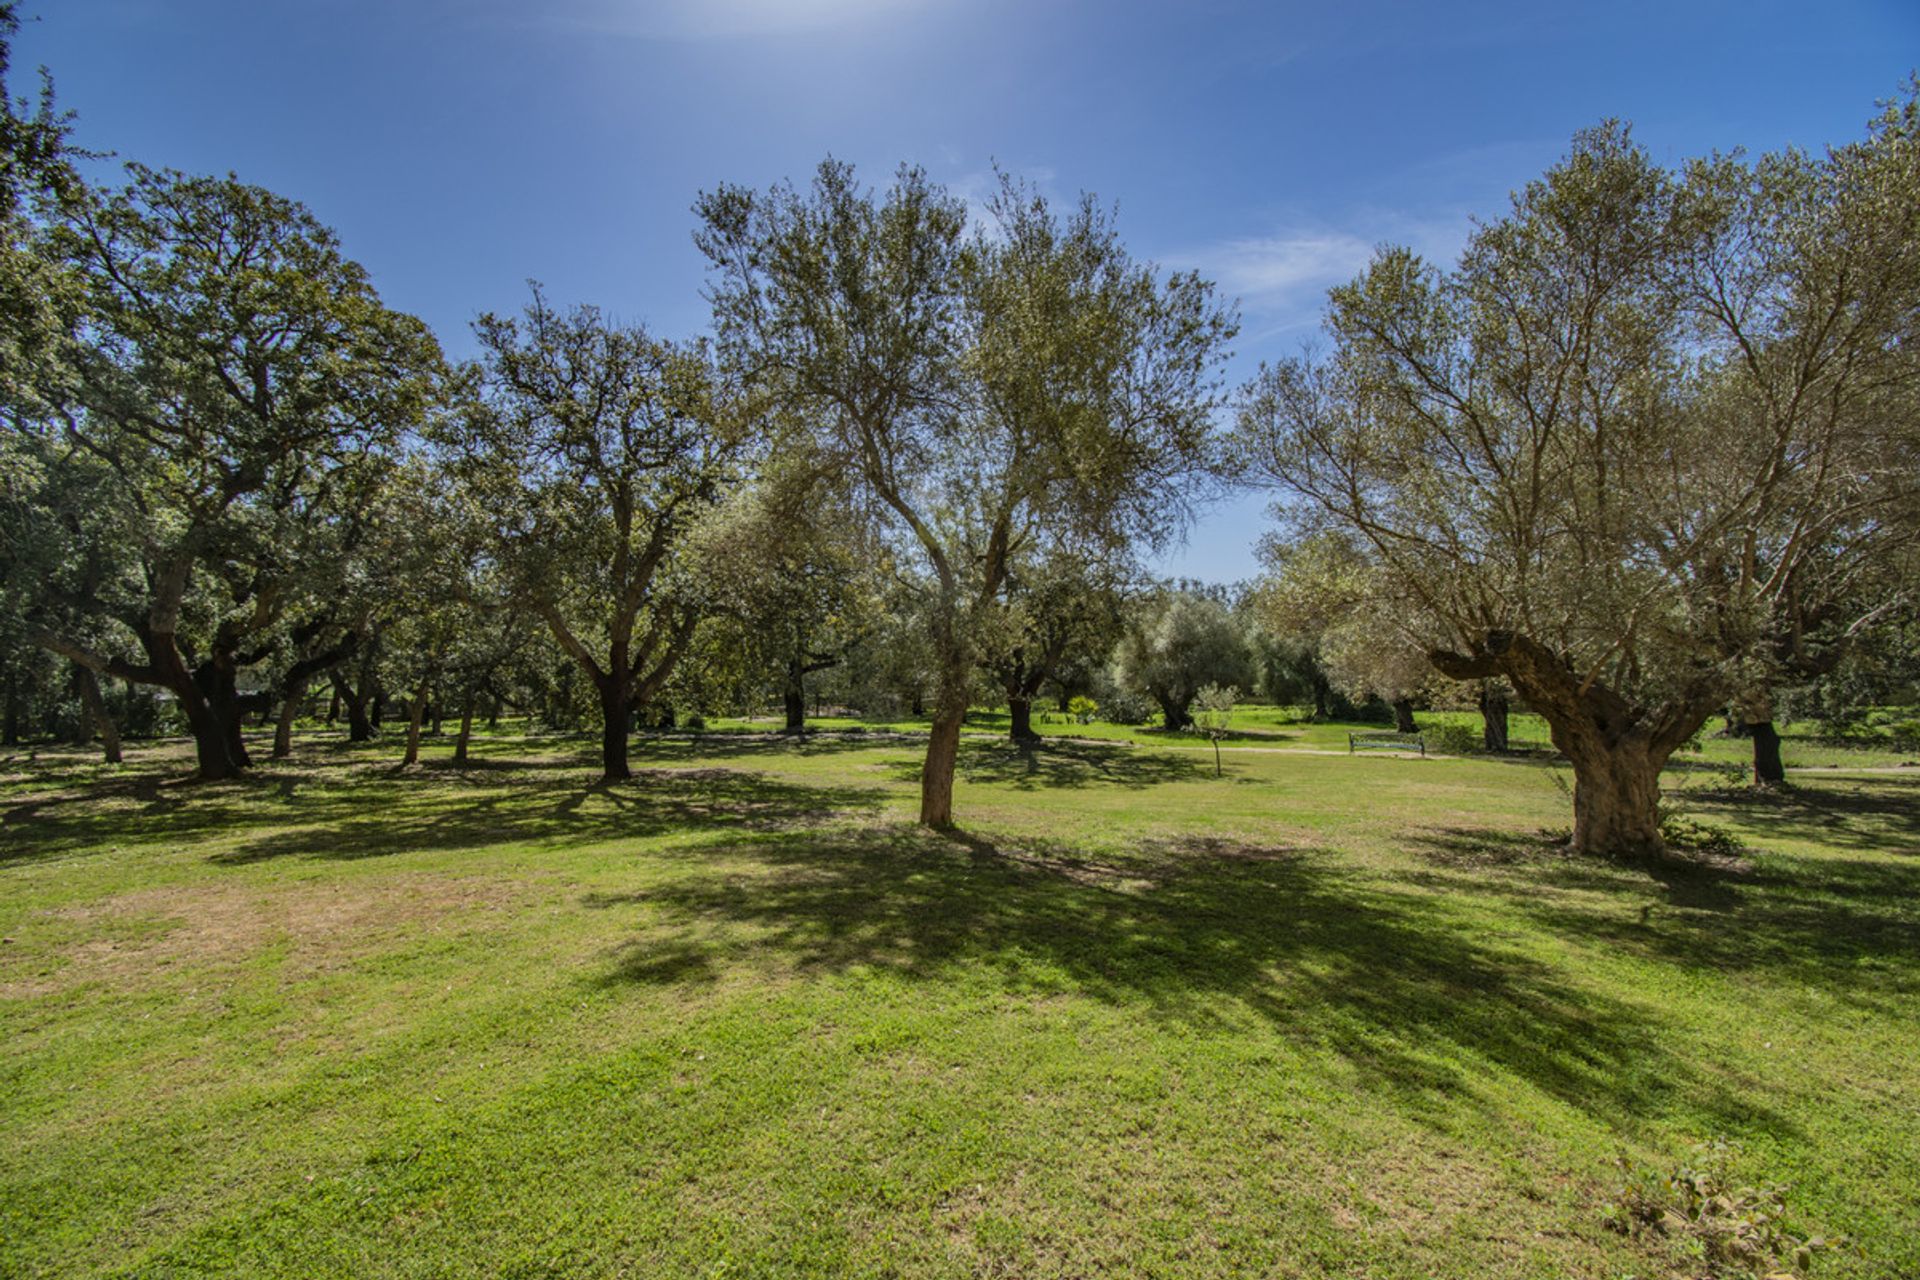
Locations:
(1082, 708)
(1127, 708)
(1684, 833)
(1738, 1231)
(1451, 737)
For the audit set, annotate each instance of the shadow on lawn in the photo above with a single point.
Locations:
(1848, 927)
(1053, 763)
(1201, 933)
(372, 810)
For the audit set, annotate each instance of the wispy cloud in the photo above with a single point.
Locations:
(1285, 270)
(1281, 278)
(721, 19)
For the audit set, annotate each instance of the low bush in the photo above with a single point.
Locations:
(1737, 1231)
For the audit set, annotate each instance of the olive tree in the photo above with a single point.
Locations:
(1612, 453)
(1176, 644)
(982, 390)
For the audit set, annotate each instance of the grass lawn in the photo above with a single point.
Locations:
(737, 1017)
(1293, 729)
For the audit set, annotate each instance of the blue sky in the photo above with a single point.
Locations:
(462, 147)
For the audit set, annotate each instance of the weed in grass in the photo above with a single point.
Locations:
(1736, 1230)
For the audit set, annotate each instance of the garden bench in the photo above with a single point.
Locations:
(1386, 740)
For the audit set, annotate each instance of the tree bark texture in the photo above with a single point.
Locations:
(1617, 751)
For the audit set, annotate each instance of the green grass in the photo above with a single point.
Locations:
(1323, 1016)
(1293, 728)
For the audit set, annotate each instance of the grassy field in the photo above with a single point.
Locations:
(1292, 729)
(1322, 1016)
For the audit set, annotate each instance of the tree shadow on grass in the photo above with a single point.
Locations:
(1204, 934)
(1848, 927)
(1880, 816)
(339, 814)
(1052, 763)
(654, 802)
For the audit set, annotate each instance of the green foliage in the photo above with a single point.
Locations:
(1213, 709)
(1176, 644)
(1082, 708)
(1693, 836)
(1453, 738)
(1737, 1230)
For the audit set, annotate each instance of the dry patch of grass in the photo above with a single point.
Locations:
(322, 924)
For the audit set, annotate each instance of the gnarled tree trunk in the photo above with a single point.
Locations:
(212, 736)
(1403, 716)
(1617, 750)
(218, 750)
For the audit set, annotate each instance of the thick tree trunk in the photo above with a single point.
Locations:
(466, 734)
(1020, 712)
(359, 727)
(1174, 712)
(1320, 711)
(416, 712)
(96, 711)
(1617, 749)
(1768, 769)
(212, 737)
(616, 697)
(1616, 802)
(283, 728)
(1493, 719)
(377, 706)
(218, 679)
(1403, 716)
